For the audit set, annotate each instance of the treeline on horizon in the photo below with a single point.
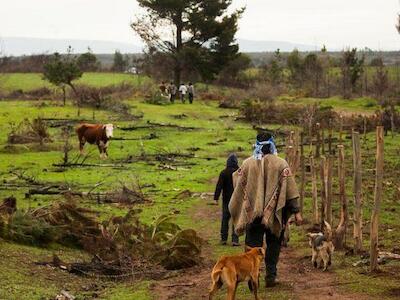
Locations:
(106, 62)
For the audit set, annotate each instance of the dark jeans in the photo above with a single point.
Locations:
(172, 98)
(226, 216)
(255, 237)
(191, 96)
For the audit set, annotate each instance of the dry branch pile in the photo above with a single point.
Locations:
(34, 131)
(120, 247)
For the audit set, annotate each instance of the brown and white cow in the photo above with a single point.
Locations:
(98, 134)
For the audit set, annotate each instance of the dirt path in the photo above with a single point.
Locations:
(297, 278)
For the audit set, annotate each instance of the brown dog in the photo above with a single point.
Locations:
(230, 270)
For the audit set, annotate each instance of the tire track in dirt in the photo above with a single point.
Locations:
(297, 278)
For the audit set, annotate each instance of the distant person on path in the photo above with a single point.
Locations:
(191, 92)
(225, 184)
(182, 92)
(172, 89)
(163, 88)
(264, 198)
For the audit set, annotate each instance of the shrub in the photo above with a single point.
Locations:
(35, 131)
(157, 98)
(291, 114)
(108, 97)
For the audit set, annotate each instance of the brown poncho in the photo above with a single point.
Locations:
(262, 189)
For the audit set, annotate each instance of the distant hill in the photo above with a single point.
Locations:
(17, 46)
(269, 46)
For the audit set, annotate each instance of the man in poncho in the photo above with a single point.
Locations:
(264, 198)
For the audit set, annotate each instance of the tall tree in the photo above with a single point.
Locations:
(120, 62)
(275, 68)
(380, 80)
(352, 67)
(62, 71)
(295, 65)
(88, 61)
(195, 34)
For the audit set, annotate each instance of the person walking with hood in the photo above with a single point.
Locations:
(264, 199)
(225, 185)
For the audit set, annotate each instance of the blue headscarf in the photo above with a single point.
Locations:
(258, 154)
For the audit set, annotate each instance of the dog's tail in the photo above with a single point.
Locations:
(216, 275)
(328, 231)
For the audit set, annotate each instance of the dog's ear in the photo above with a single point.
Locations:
(247, 248)
(261, 251)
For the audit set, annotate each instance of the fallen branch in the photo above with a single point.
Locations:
(153, 125)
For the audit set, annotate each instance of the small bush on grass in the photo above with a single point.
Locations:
(157, 98)
(35, 131)
(109, 97)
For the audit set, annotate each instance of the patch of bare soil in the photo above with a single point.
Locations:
(297, 278)
(297, 275)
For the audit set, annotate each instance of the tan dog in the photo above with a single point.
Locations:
(230, 270)
(322, 247)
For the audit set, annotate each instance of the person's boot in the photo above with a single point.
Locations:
(235, 244)
(223, 243)
(270, 282)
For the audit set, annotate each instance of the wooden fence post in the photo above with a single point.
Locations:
(365, 131)
(340, 129)
(318, 143)
(357, 232)
(314, 190)
(330, 139)
(341, 229)
(329, 190)
(324, 184)
(377, 200)
(303, 172)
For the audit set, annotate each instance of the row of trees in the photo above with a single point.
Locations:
(87, 62)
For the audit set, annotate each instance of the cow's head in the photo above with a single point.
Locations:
(108, 128)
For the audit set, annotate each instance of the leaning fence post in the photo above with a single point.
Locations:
(314, 190)
(357, 186)
(341, 229)
(377, 199)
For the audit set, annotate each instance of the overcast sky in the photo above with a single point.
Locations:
(336, 23)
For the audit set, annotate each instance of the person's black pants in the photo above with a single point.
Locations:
(226, 216)
(191, 97)
(255, 233)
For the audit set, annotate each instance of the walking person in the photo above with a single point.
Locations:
(191, 92)
(182, 92)
(172, 89)
(163, 88)
(264, 199)
(225, 185)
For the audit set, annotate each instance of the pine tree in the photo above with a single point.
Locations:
(196, 34)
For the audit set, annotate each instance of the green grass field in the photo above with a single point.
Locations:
(216, 135)
(32, 81)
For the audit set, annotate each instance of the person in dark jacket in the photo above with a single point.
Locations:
(225, 185)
